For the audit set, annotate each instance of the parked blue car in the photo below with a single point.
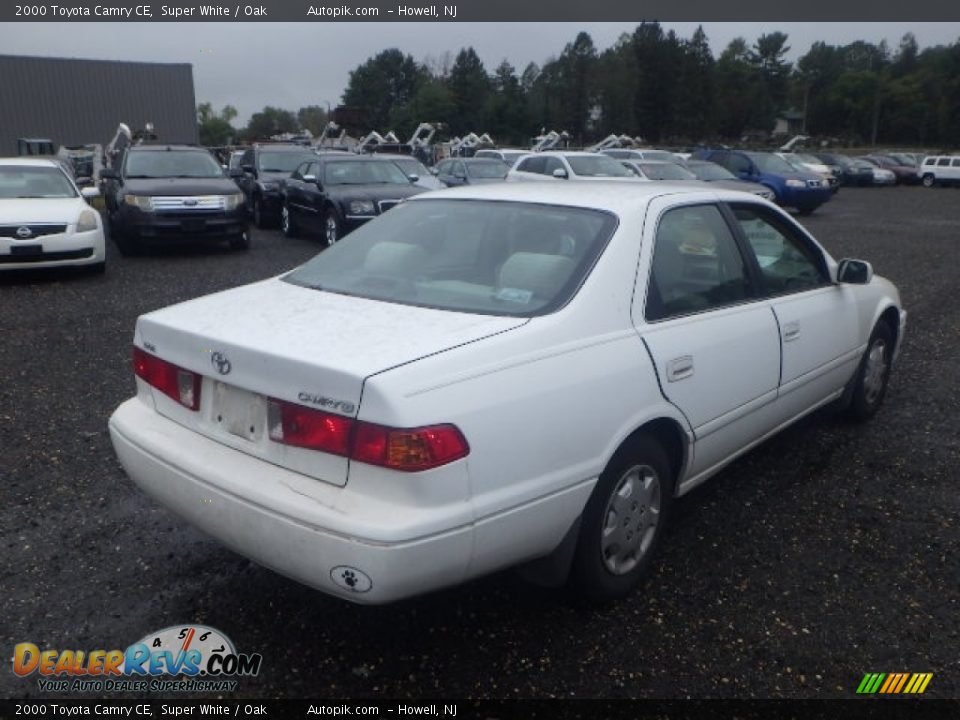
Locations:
(792, 188)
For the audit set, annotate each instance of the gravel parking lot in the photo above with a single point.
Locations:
(831, 551)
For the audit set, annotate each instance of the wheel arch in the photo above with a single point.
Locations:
(672, 437)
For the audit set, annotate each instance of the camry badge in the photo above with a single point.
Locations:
(220, 363)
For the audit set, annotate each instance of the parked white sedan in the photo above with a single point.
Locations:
(495, 376)
(45, 220)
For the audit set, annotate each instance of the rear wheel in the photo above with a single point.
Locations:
(259, 213)
(623, 521)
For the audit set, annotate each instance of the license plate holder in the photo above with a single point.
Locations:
(239, 412)
(28, 250)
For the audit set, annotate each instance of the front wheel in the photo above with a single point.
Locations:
(928, 180)
(623, 521)
(870, 385)
(241, 241)
(331, 227)
(288, 225)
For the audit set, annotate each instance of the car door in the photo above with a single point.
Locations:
(293, 191)
(817, 319)
(312, 205)
(528, 169)
(713, 340)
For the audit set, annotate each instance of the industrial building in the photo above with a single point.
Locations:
(75, 102)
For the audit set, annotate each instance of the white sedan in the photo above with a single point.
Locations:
(45, 221)
(498, 376)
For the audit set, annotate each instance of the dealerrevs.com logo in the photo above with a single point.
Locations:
(180, 658)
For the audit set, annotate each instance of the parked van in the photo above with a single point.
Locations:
(939, 170)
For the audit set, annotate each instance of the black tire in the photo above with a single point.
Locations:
(623, 522)
(870, 383)
(241, 241)
(259, 215)
(332, 229)
(928, 180)
(288, 226)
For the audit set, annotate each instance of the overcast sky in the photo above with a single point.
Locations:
(292, 65)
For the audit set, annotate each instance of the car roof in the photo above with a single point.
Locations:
(283, 147)
(167, 148)
(566, 153)
(617, 197)
(33, 162)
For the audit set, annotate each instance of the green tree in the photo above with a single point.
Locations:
(470, 86)
(381, 84)
(271, 121)
(215, 128)
(313, 118)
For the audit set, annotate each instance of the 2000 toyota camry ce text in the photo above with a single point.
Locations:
(494, 376)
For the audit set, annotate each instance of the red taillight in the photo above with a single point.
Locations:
(407, 449)
(304, 427)
(179, 384)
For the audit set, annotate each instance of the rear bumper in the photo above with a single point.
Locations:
(254, 508)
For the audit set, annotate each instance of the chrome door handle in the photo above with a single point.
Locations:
(680, 368)
(791, 331)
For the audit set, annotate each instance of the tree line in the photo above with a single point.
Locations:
(654, 84)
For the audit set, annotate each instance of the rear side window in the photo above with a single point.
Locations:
(943, 162)
(787, 263)
(697, 265)
(955, 162)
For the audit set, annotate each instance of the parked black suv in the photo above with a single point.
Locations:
(264, 167)
(162, 194)
(335, 193)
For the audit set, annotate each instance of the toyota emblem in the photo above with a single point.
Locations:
(23, 232)
(220, 363)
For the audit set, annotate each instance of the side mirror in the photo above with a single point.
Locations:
(413, 177)
(560, 173)
(854, 272)
(89, 193)
(309, 178)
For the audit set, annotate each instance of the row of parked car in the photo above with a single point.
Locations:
(160, 194)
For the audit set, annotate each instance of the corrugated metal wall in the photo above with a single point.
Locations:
(74, 101)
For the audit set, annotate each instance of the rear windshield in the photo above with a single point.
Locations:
(597, 166)
(665, 171)
(282, 162)
(487, 257)
(487, 170)
(34, 182)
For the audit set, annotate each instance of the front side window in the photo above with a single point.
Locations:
(696, 264)
(955, 162)
(281, 162)
(787, 263)
(493, 258)
(737, 164)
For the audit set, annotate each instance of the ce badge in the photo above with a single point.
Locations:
(220, 363)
